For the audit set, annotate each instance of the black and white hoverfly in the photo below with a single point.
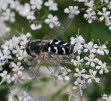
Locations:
(58, 47)
(39, 48)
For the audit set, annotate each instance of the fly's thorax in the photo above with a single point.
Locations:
(35, 47)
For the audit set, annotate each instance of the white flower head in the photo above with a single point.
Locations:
(90, 47)
(77, 62)
(77, 40)
(102, 50)
(79, 84)
(36, 4)
(52, 6)
(52, 21)
(102, 67)
(35, 26)
(5, 77)
(92, 76)
(79, 73)
(17, 94)
(104, 15)
(72, 11)
(91, 60)
(89, 3)
(78, 48)
(8, 15)
(4, 30)
(90, 15)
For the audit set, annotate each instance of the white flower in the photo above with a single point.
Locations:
(102, 49)
(8, 15)
(104, 15)
(106, 97)
(102, 67)
(79, 73)
(25, 10)
(14, 4)
(25, 97)
(17, 68)
(63, 78)
(78, 40)
(78, 48)
(52, 21)
(36, 4)
(4, 4)
(35, 27)
(77, 62)
(18, 78)
(89, 3)
(72, 10)
(11, 50)
(4, 30)
(17, 94)
(5, 77)
(52, 6)
(92, 76)
(91, 60)
(79, 84)
(30, 15)
(90, 47)
(90, 15)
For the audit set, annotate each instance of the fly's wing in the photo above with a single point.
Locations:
(54, 33)
(60, 30)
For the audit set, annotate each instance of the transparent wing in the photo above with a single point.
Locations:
(58, 31)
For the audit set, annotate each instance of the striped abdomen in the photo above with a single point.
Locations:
(58, 47)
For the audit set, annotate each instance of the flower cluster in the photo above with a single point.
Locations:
(12, 59)
(17, 94)
(87, 62)
(28, 11)
(99, 11)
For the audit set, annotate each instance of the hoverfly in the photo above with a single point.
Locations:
(58, 47)
(40, 48)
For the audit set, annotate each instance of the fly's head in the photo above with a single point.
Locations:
(33, 48)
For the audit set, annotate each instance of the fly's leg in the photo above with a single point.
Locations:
(34, 72)
(40, 61)
(61, 63)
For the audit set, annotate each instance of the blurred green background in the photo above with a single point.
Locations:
(69, 28)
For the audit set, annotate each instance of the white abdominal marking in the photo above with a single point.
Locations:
(56, 49)
(65, 44)
(51, 42)
(49, 49)
(57, 42)
(63, 50)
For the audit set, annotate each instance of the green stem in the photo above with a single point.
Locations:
(98, 3)
(99, 7)
(53, 97)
